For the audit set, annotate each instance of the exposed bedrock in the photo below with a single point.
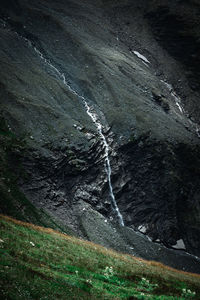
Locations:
(112, 55)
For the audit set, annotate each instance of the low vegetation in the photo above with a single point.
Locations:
(40, 263)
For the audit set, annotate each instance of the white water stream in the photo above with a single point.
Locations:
(179, 105)
(94, 117)
(175, 96)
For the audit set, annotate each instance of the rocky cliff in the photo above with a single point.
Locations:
(75, 72)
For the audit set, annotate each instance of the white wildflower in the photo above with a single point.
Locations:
(89, 281)
(108, 271)
(144, 279)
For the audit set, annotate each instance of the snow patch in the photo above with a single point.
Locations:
(179, 245)
(142, 228)
(141, 57)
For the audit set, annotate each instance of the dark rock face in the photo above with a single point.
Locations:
(127, 63)
(176, 29)
(155, 190)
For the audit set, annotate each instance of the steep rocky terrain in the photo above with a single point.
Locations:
(133, 68)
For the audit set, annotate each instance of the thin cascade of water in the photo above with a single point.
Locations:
(94, 117)
(178, 104)
(175, 96)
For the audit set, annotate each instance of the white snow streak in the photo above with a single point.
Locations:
(141, 57)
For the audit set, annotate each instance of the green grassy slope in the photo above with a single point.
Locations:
(39, 263)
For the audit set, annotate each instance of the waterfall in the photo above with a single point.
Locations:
(94, 117)
(95, 120)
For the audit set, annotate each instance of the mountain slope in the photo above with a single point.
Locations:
(44, 264)
(56, 56)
